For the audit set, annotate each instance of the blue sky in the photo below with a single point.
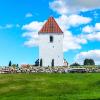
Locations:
(20, 21)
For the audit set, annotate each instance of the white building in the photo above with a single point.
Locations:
(50, 44)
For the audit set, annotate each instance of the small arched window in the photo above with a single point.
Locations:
(51, 39)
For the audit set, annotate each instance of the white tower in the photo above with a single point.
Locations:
(50, 44)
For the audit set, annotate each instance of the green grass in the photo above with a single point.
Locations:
(50, 86)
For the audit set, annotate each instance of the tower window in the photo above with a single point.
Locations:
(51, 38)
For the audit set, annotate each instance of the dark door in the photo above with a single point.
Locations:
(40, 62)
(52, 64)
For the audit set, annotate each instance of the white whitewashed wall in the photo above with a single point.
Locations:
(49, 51)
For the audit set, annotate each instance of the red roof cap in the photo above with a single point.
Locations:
(51, 26)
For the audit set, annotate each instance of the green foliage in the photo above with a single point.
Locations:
(85, 66)
(37, 62)
(89, 62)
(10, 63)
(17, 65)
(14, 66)
(75, 64)
(43, 86)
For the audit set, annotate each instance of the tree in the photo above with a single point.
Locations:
(10, 63)
(89, 62)
(75, 64)
(37, 62)
(17, 65)
(40, 62)
(14, 66)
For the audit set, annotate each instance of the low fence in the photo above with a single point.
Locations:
(34, 69)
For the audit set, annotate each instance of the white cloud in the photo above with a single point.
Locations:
(73, 6)
(93, 36)
(94, 54)
(73, 20)
(93, 33)
(32, 39)
(59, 6)
(78, 20)
(28, 15)
(33, 26)
(7, 26)
(71, 42)
(32, 33)
(97, 26)
(87, 29)
(31, 42)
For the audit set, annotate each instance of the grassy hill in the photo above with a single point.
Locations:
(50, 86)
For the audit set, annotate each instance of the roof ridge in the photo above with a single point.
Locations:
(51, 26)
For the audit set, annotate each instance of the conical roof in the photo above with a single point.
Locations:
(51, 26)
